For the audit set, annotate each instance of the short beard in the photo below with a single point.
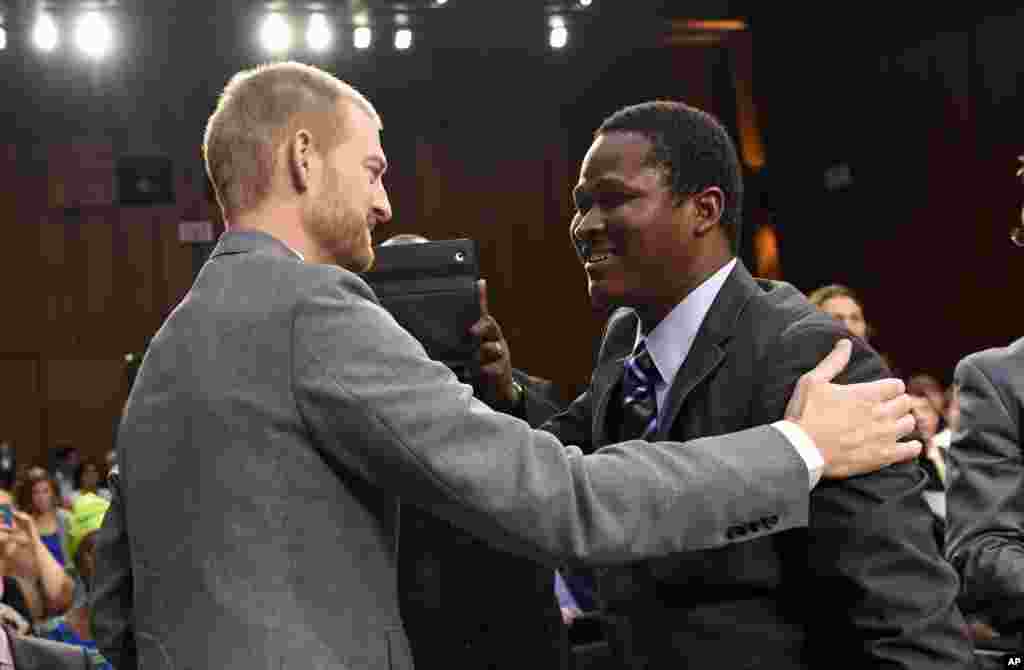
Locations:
(336, 230)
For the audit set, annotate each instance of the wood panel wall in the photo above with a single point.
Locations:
(88, 282)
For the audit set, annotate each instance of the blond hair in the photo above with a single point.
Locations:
(256, 112)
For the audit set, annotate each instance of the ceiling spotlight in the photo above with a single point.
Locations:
(403, 39)
(559, 36)
(440, 2)
(44, 34)
(362, 36)
(93, 34)
(585, 3)
(3, 38)
(275, 33)
(318, 32)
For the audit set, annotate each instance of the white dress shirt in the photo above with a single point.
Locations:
(670, 343)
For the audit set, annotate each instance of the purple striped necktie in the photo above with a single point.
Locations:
(639, 402)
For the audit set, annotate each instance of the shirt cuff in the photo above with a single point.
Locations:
(804, 446)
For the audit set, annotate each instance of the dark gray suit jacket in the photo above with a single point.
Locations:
(278, 412)
(864, 586)
(985, 500)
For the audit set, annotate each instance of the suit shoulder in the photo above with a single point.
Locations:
(993, 361)
(316, 280)
(782, 308)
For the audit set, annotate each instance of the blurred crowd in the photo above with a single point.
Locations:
(50, 515)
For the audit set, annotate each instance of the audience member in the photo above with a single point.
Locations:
(87, 480)
(842, 304)
(38, 494)
(309, 410)
(74, 627)
(985, 500)
(986, 492)
(40, 586)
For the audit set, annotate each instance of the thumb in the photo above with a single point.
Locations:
(834, 363)
(481, 287)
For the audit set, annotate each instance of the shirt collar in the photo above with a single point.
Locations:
(671, 340)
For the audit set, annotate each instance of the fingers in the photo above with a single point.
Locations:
(491, 352)
(894, 408)
(481, 288)
(878, 391)
(833, 364)
(874, 457)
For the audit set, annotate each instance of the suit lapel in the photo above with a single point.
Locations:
(708, 350)
(617, 343)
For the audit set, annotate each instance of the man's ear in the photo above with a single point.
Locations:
(300, 156)
(708, 206)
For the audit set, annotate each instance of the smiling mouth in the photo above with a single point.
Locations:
(597, 258)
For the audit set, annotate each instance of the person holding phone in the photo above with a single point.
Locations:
(46, 587)
(24, 560)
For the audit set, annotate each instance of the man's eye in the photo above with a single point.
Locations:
(611, 201)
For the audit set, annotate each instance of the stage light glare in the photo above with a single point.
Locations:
(275, 33)
(3, 38)
(440, 2)
(559, 37)
(585, 3)
(318, 33)
(44, 34)
(361, 37)
(94, 34)
(403, 39)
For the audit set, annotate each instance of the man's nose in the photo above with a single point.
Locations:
(583, 230)
(382, 206)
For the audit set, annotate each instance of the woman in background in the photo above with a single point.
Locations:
(37, 494)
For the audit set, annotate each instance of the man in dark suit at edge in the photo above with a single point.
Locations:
(985, 499)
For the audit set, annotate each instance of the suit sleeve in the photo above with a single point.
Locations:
(985, 502)
(539, 403)
(378, 407)
(111, 602)
(885, 595)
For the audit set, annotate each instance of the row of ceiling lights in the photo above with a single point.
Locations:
(93, 32)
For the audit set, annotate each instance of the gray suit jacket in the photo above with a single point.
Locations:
(276, 415)
(985, 500)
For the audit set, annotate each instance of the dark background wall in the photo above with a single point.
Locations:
(485, 136)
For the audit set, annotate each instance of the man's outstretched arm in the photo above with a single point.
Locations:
(380, 408)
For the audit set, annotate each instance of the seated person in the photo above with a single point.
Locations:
(35, 585)
(38, 494)
(74, 627)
